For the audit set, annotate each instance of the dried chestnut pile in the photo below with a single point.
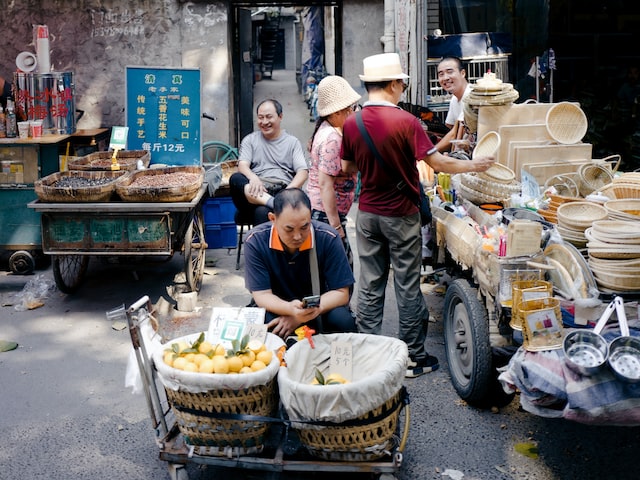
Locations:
(165, 180)
(81, 182)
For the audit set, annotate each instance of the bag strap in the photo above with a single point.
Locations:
(369, 141)
(313, 262)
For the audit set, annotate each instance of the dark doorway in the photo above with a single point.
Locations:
(241, 33)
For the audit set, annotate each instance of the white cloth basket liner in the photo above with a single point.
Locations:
(379, 366)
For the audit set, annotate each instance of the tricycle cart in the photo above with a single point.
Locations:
(479, 333)
(282, 448)
(73, 232)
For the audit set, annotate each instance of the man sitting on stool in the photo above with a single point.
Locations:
(278, 269)
(269, 160)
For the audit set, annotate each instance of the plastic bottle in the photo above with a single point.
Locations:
(11, 121)
(3, 125)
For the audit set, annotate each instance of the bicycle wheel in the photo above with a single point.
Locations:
(214, 152)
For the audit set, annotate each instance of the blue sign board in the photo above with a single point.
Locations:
(163, 114)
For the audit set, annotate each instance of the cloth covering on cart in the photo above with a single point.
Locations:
(549, 388)
(379, 364)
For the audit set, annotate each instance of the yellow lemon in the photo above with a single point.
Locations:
(168, 358)
(182, 346)
(206, 366)
(219, 350)
(199, 358)
(235, 363)
(265, 356)
(258, 365)
(180, 363)
(256, 346)
(246, 370)
(205, 347)
(220, 364)
(190, 367)
(334, 378)
(248, 357)
(190, 356)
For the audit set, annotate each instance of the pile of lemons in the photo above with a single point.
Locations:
(204, 357)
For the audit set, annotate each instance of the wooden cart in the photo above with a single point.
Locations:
(73, 232)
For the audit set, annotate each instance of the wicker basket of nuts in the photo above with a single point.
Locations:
(169, 184)
(78, 186)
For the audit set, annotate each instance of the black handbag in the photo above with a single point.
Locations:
(422, 201)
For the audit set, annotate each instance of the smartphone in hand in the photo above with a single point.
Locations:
(311, 301)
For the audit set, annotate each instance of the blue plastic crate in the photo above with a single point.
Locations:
(222, 235)
(218, 210)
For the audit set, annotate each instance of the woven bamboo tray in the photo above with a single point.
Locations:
(580, 215)
(566, 123)
(165, 188)
(47, 191)
(128, 160)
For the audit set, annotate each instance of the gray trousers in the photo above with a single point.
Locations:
(396, 241)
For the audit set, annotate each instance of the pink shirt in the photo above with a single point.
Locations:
(325, 158)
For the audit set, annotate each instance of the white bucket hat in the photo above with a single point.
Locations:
(382, 67)
(335, 94)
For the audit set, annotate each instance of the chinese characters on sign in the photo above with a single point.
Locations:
(163, 114)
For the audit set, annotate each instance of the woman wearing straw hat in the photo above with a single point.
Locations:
(388, 221)
(330, 189)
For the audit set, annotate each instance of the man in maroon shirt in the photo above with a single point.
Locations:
(388, 222)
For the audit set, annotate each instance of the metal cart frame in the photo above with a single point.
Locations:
(72, 232)
(281, 449)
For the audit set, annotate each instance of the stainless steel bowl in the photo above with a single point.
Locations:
(624, 354)
(585, 351)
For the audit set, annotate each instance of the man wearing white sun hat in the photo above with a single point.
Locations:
(388, 221)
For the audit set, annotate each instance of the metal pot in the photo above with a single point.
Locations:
(586, 351)
(624, 353)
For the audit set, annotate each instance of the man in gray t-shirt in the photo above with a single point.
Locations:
(269, 160)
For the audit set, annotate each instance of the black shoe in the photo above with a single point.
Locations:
(428, 365)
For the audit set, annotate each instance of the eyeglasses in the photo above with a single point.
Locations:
(404, 86)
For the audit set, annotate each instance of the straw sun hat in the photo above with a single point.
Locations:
(382, 67)
(335, 94)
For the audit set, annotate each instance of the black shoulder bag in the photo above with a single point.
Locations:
(420, 200)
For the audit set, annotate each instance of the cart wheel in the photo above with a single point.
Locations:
(22, 263)
(195, 249)
(68, 271)
(468, 349)
(178, 471)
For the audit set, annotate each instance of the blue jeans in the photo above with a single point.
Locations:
(395, 241)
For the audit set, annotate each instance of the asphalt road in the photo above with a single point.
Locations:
(66, 413)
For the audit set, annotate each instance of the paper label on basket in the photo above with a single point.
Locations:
(530, 186)
(232, 323)
(342, 359)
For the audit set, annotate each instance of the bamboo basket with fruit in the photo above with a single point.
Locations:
(207, 384)
(345, 419)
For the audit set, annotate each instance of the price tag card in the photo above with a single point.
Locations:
(118, 138)
(231, 323)
(342, 359)
(256, 331)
